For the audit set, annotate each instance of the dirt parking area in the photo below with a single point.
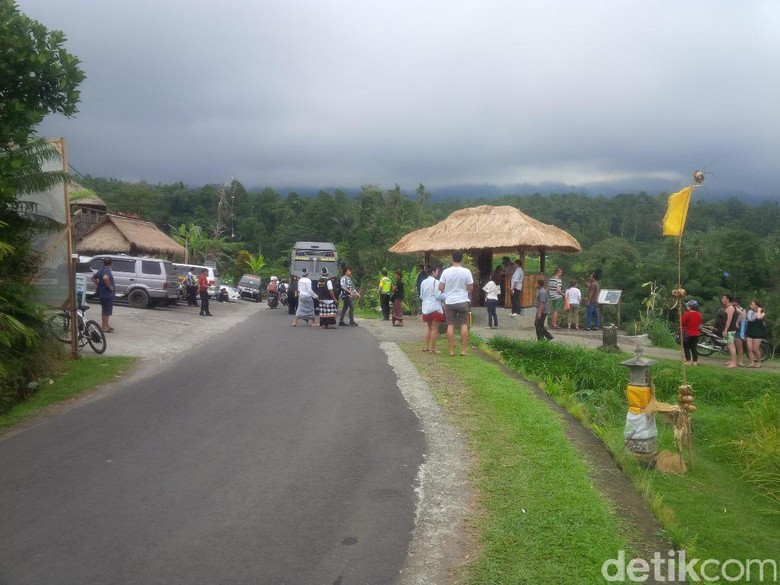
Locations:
(162, 334)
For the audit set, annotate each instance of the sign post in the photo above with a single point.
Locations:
(611, 297)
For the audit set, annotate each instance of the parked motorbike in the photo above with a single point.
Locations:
(710, 342)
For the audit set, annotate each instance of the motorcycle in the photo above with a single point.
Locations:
(283, 295)
(710, 342)
(273, 299)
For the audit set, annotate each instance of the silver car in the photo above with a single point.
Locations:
(144, 282)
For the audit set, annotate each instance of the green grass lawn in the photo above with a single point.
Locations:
(76, 377)
(542, 520)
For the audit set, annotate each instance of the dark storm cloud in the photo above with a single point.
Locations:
(351, 92)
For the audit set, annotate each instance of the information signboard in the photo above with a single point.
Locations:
(609, 297)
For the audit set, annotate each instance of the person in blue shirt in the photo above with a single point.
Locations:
(104, 280)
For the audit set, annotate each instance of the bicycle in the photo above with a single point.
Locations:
(87, 332)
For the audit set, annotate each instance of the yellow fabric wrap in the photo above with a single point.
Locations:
(638, 397)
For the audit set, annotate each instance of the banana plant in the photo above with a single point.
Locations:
(256, 262)
(185, 235)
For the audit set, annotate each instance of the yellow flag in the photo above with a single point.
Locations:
(674, 220)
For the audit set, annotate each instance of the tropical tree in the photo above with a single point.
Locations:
(39, 77)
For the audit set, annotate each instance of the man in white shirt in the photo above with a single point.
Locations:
(457, 283)
(517, 287)
(305, 309)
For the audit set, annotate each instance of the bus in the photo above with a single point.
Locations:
(318, 258)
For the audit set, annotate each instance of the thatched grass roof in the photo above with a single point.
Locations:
(87, 198)
(504, 229)
(123, 235)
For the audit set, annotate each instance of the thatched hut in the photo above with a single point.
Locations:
(86, 210)
(117, 234)
(487, 230)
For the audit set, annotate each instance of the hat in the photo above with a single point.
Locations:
(274, 278)
(692, 304)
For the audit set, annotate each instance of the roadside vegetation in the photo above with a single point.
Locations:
(74, 378)
(540, 519)
(728, 504)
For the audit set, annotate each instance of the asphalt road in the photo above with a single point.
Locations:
(267, 455)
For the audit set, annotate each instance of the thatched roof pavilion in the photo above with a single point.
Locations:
(117, 234)
(487, 230)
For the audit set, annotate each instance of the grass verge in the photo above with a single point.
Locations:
(727, 507)
(542, 519)
(75, 378)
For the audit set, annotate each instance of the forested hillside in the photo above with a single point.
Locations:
(729, 246)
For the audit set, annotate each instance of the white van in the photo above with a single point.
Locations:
(182, 269)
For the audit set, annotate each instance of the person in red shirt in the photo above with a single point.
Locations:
(691, 320)
(203, 290)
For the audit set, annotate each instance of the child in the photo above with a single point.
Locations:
(492, 290)
(573, 297)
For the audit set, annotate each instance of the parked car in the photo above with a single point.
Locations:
(213, 275)
(231, 291)
(144, 282)
(251, 287)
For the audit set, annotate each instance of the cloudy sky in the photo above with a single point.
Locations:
(327, 93)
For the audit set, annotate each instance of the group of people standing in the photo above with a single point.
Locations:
(307, 302)
(741, 330)
(550, 300)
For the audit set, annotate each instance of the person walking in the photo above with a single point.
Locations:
(573, 298)
(541, 304)
(328, 307)
(554, 286)
(348, 295)
(690, 322)
(398, 299)
(516, 287)
(492, 290)
(384, 289)
(592, 311)
(305, 309)
(755, 331)
(104, 280)
(203, 290)
(456, 283)
(432, 311)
